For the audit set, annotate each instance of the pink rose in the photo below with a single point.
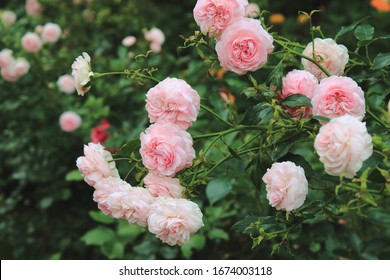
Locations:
(330, 55)
(70, 121)
(6, 58)
(173, 220)
(82, 72)
(51, 32)
(252, 10)
(244, 46)
(155, 35)
(33, 7)
(66, 84)
(21, 66)
(155, 47)
(8, 18)
(343, 145)
(160, 186)
(9, 73)
(337, 96)
(286, 185)
(214, 16)
(129, 41)
(302, 82)
(166, 149)
(96, 164)
(173, 101)
(31, 42)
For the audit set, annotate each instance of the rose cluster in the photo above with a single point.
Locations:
(12, 69)
(242, 43)
(166, 148)
(49, 33)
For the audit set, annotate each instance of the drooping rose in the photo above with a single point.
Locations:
(162, 186)
(99, 134)
(214, 16)
(66, 84)
(51, 32)
(31, 42)
(329, 54)
(174, 220)
(343, 145)
(82, 72)
(70, 121)
(244, 46)
(286, 185)
(337, 96)
(173, 101)
(166, 149)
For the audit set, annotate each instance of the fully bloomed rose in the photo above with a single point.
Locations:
(8, 18)
(214, 16)
(329, 54)
(173, 101)
(302, 82)
(6, 58)
(343, 145)
(166, 149)
(31, 42)
(160, 186)
(81, 71)
(96, 164)
(9, 73)
(174, 220)
(33, 7)
(70, 121)
(337, 96)
(286, 185)
(51, 32)
(21, 66)
(244, 46)
(66, 84)
(99, 134)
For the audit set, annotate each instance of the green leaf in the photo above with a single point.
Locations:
(98, 236)
(242, 226)
(99, 216)
(218, 234)
(380, 217)
(218, 188)
(114, 250)
(74, 175)
(296, 100)
(131, 146)
(257, 173)
(380, 61)
(196, 242)
(253, 114)
(129, 231)
(281, 150)
(321, 118)
(349, 28)
(364, 32)
(276, 75)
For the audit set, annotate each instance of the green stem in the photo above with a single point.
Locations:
(228, 131)
(216, 115)
(376, 118)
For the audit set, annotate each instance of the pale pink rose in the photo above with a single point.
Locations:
(132, 205)
(330, 55)
(38, 29)
(21, 66)
(31, 42)
(286, 185)
(66, 84)
(343, 145)
(9, 73)
(337, 96)
(33, 7)
(97, 163)
(51, 32)
(301, 82)
(81, 71)
(244, 46)
(174, 101)
(155, 47)
(252, 10)
(173, 220)
(214, 16)
(70, 121)
(155, 35)
(129, 41)
(6, 58)
(8, 18)
(160, 186)
(166, 149)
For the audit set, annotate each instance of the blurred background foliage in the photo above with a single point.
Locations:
(47, 213)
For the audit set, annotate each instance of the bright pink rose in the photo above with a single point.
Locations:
(98, 134)
(21, 66)
(173, 220)
(96, 164)
(33, 7)
(286, 185)
(252, 10)
(8, 18)
(330, 55)
(244, 46)
(155, 35)
(214, 16)
(9, 73)
(337, 96)
(66, 84)
(31, 42)
(173, 101)
(166, 149)
(302, 82)
(160, 186)
(6, 58)
(51, 32)
(70, 121)
(129, 41)
(343, 145)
